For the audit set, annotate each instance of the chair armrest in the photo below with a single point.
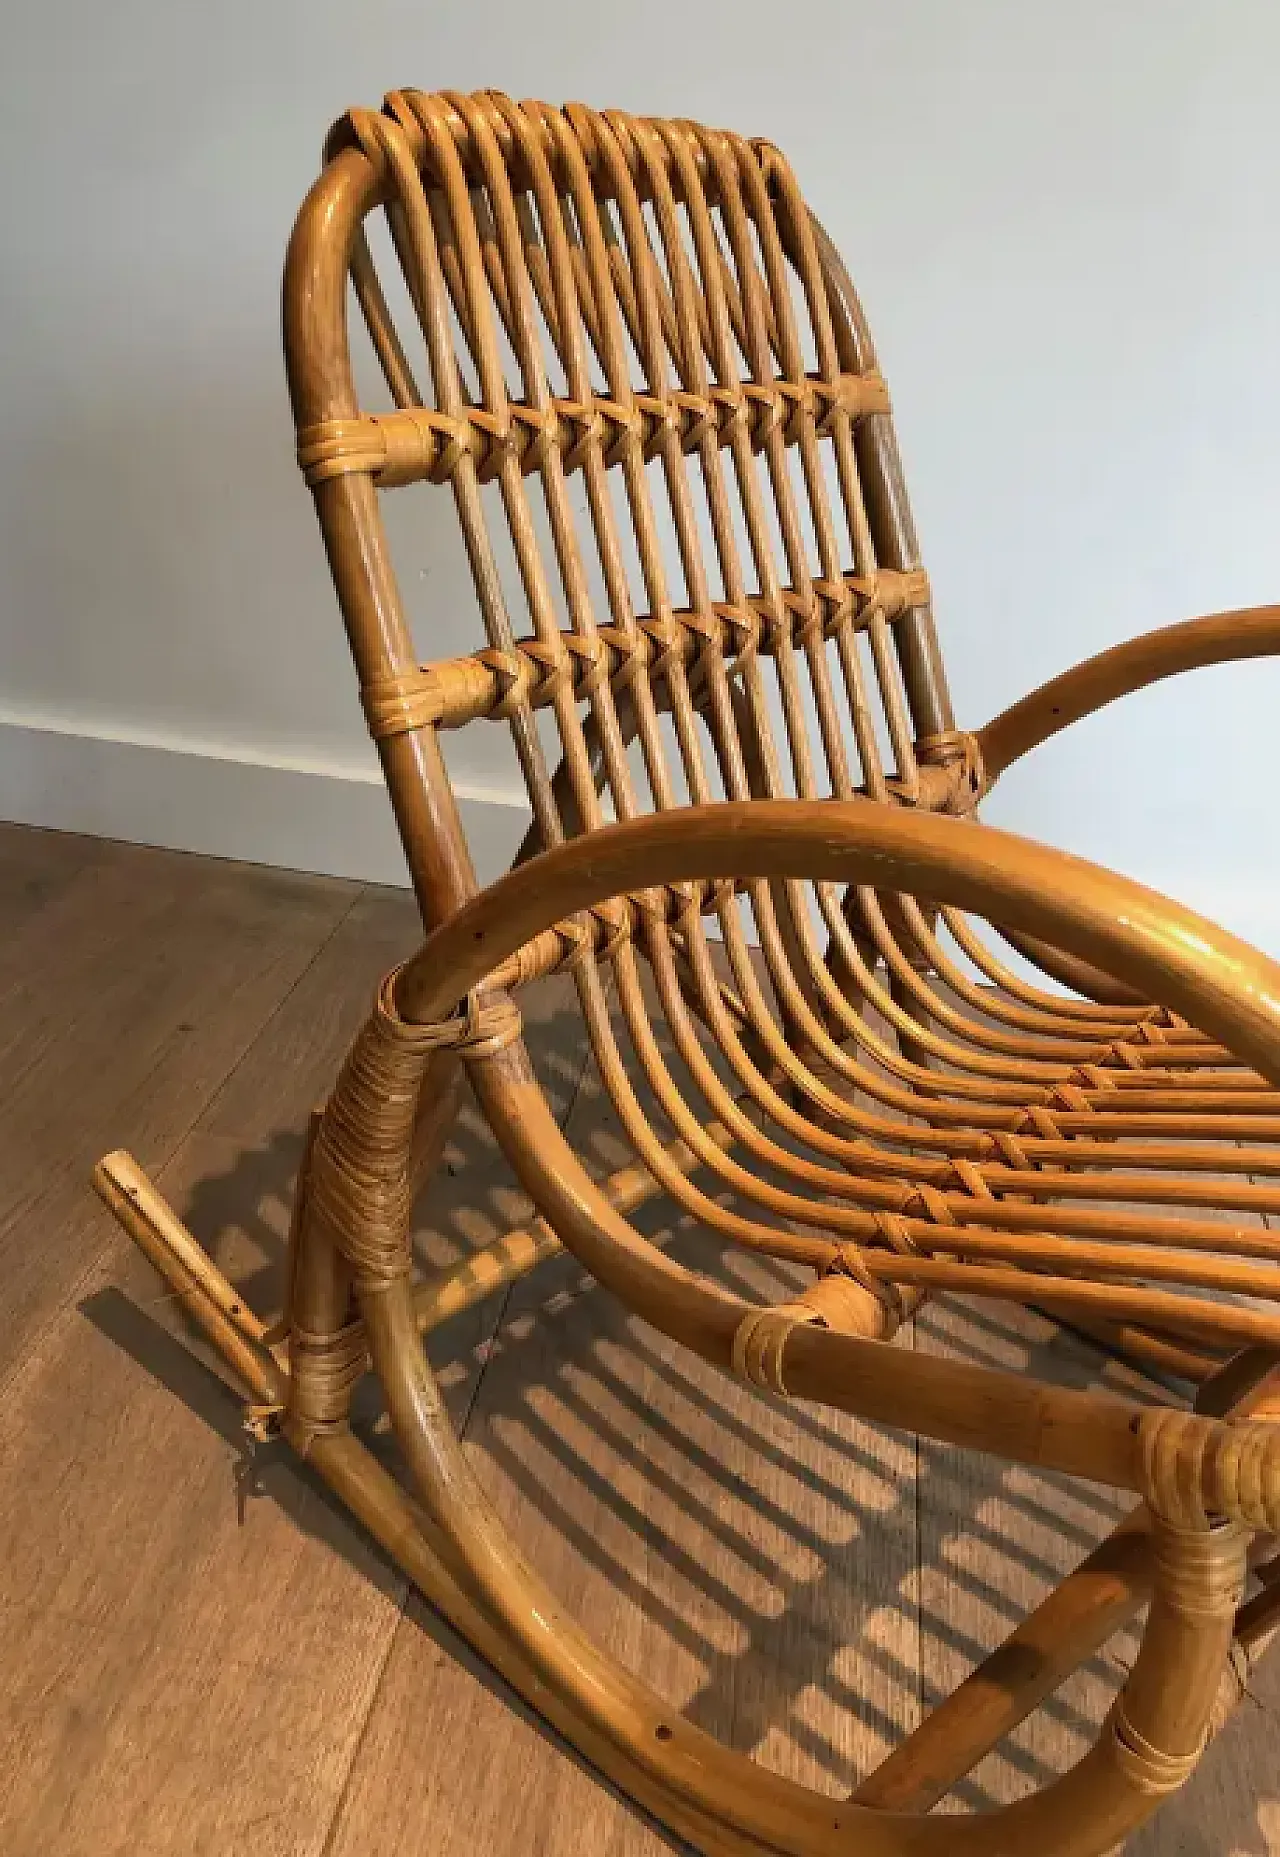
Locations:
(1252, 632)
(1165, 950)
(1143, 939)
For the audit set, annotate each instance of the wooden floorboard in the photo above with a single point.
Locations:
(194, 1667)
(175, 1682)
(36, 867)
(125, 1001)
(168, 1685)
(750, 1559)
(995, 1538)
(185, 1672)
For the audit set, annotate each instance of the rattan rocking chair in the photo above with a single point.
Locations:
(751, 733)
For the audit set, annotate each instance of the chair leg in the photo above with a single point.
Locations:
(1102, 1596)
(722, 1803)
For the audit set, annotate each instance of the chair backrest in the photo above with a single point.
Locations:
(652, 393)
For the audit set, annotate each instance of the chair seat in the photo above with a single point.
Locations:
(1115, 1168)
(636, 364)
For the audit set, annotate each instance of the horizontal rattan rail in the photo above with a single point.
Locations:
(635, 364)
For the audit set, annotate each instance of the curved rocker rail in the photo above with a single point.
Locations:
(1207, 1484)
(624, 312)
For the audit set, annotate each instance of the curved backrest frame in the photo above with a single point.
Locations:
(429, 160)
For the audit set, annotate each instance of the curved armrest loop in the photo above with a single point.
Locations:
(1219, 638)
(1173, 956)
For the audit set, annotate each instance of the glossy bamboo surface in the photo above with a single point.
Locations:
(626, 351)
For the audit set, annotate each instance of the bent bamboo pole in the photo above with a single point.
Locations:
(507, 1259)
(1085, 1811)
(1104, 1593)
(1218, 638)
(1089, 1605)
(1168, 951)
(185, 1265)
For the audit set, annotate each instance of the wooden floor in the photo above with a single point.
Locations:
(200, 1653)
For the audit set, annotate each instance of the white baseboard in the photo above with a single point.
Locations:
(295, 816)
(337, 820)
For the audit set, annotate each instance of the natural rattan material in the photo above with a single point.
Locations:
(652, 396)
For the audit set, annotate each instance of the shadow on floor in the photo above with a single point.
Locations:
(574, 1412)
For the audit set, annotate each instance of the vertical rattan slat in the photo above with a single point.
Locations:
(638, 368)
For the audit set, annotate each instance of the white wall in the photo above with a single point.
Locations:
(1066, 225)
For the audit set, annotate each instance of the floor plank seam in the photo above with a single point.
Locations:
(332, 1828)
(32, 1350)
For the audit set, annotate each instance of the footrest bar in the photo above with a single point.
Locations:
(193, 1276)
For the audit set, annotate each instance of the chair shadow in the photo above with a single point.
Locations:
(571, 1409)
(276, 1474)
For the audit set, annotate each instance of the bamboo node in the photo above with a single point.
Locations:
(1200, 1572)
